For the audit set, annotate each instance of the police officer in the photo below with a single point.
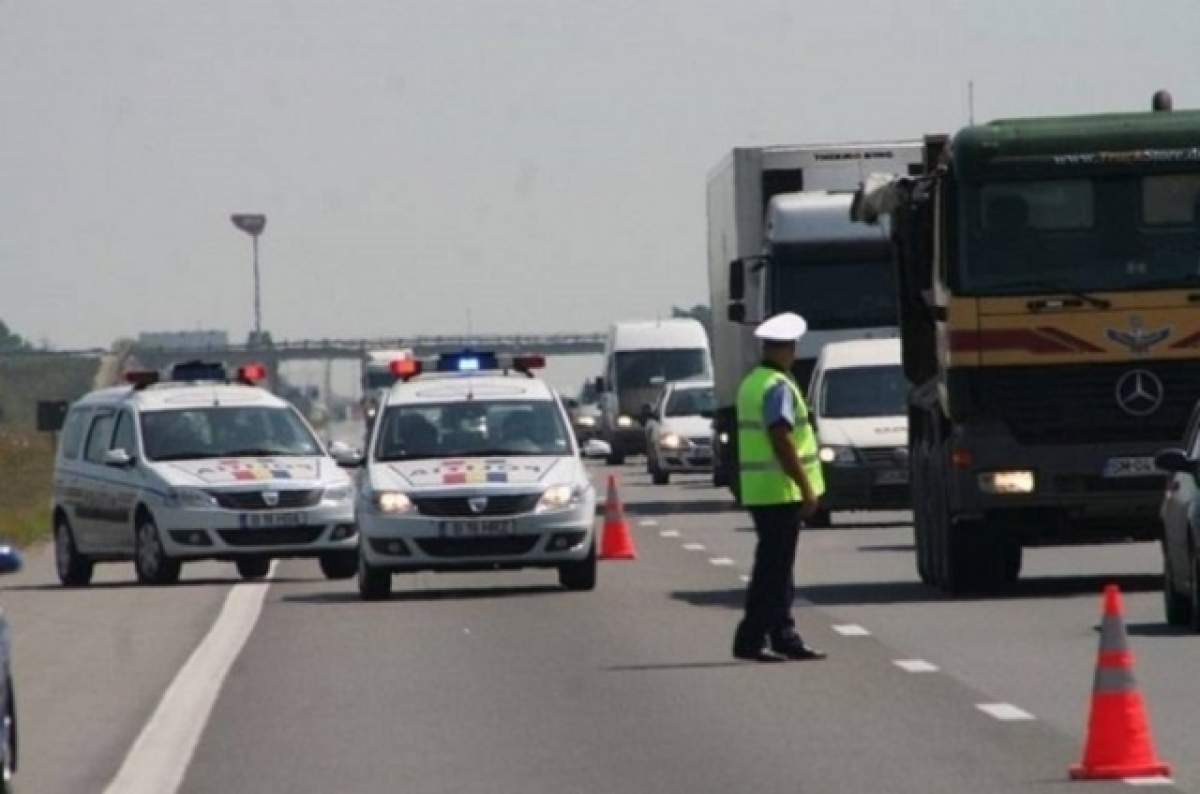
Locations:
(781, 484)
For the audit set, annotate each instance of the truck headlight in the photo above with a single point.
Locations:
(189, 499)
(586, 421)
(838, 456)
(557, 497)
(1018, 481)
(337, 494)
(392, 502)
(670, 440)
(624, 421)
(723, 438)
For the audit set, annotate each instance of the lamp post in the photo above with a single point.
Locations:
(253, 225)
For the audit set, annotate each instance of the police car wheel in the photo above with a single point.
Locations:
(579, 575)
(1178, 604)
(339, 564)
(8, 768)
(374, 583)
(253, 567)
(74, 569)
(150, 559)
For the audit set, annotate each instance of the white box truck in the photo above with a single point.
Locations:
(780, 239)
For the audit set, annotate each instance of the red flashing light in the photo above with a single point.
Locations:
(526, 363)
(141, 378)
(251, 374)
(962, 458)
(405, 368)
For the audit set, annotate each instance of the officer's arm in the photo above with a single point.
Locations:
(789, 459)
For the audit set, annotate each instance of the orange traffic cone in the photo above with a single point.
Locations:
(1119, 744)
(617, 543)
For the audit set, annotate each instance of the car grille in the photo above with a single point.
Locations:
(459, 506)
(253, 500)
(1064, 405)
(478, 547)
(277, 536)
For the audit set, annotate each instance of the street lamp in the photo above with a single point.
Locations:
(253, 225)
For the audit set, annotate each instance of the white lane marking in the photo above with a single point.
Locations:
(647, 522)
(851, 630)
(1150, 781)
(162, 752)
(694, 546)
(915, 666)
(1005, 711)
(721, 560)
(669, 533)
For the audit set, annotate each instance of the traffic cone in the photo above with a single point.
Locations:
(617, 543)
(1119, 744)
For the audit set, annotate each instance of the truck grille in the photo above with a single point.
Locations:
(459, 506)
(253, 500)
(1067, 405)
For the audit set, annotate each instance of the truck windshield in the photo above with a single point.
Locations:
(864, 391)
(691, 402)
(639, 369)
(225, 432)
(855, 288)
(1092, 233)
(472, 429)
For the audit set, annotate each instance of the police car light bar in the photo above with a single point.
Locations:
(405, 368)
(526, 363)
(251, 374)
(141, 378)
(467, 361)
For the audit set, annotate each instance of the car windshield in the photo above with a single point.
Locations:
(691, 402)
(864, 391)
(472, 429)
(225, 432)
(1081, 234)
(856, 290)
(639, 369)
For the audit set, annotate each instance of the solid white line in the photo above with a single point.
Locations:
(669, 533)
(694, 546)
(1005, 711)
(721, 560)
(915, 666)
(160, 755)
(647, 522)
(1150, 781)
(851, 630)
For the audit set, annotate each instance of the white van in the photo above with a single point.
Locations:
(858, 397)
(639, 359)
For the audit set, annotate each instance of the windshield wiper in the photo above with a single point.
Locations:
(1054, 286)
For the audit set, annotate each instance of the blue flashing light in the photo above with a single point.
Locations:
(467, 362)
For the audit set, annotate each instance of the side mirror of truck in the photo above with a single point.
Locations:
(1175, 461)
(737, 280)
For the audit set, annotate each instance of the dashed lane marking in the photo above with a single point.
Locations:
(1150, 781)
(647, 522)
(694, 546)
(851, 630)
(669, 533)
(721, 560)
(915, 666)
(1006, 712)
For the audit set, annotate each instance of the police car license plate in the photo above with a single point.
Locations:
(1130, 467)
(268, 520)
(477, 529)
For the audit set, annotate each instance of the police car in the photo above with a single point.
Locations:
(472, 465)
(192, 467)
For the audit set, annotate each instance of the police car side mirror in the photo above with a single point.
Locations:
(345, 455)
(118, 459)
(10, 560)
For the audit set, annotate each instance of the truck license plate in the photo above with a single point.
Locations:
(1130, 467)
(476, 529)
(267, 520)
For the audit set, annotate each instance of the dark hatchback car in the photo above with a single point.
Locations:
(1181, 528)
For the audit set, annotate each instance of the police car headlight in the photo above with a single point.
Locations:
(586, 421)
(559, 496)
(670, 441)
(392, 502)
(838, 456)
(338, 494)
(189, 499)
(624, 421)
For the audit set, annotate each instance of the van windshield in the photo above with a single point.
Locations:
(638, 369)
(864, 391)
(225, 432)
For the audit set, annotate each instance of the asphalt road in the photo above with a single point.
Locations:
(503, 683)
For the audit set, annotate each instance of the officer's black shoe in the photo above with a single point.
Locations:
(795, 649)
(759, 654)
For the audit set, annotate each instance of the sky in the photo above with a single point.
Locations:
(493, 165)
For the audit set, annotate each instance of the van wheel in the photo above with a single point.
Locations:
(150, 559)
(251, 568)
(74, 569)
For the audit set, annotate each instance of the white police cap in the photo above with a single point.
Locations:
(786, 327)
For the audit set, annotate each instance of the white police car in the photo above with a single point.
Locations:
(472, 465)
(196, 467)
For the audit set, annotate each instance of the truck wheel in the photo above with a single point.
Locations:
(1178, 605)
(1014, 555)
(978, 558)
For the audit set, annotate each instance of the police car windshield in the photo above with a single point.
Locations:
(864, 391)
(472, 429)
(225, 432)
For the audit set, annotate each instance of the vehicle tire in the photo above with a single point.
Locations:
(1178, 605)
(339, 564)
(1014, 557)
(978, 558)
(616, 457)
(374, 584)
(150, 559)
(657, 475)
(251, 568)
(74, 569)
(1194, 593)
(922, 543)
(579, 575)
(8, 764)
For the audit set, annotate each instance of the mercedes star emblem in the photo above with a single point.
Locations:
(1139, 392)
(477, 504)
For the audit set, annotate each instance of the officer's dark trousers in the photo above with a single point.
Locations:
(769, 595)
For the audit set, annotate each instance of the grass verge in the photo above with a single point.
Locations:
(26, 478)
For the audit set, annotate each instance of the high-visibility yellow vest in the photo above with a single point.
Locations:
(763, 481)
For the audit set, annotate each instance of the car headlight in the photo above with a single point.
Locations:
(392, 502)
(557, 497)
(586, 421)
(723, 438)
(838, 456)
(189, 498)
(338, 493)
(624, 421)
(670, 440)
(1018, 481)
